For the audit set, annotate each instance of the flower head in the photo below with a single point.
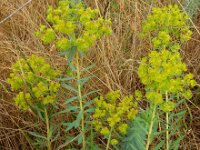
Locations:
(78, 26)
(33, 79)
(111, 113)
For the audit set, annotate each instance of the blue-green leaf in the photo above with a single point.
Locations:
(88, 68)
(71, 100)
(69, 87)
(37, 135)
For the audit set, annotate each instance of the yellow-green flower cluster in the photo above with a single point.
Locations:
(111, 113)
(167, 26)
(75, 26)
(138, 95)
(32, 78)
(168, 106)
(164, 71)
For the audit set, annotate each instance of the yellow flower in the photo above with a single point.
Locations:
(37, 76)
(114, 113)
(105, 131)
(73, 25)
(138, 95)
(114, 142)
(123, 128)
(168, 106)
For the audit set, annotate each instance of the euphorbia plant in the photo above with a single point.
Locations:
(34, 80)
(166, 81)
(112, 115)
(74, 29)
(162, 72)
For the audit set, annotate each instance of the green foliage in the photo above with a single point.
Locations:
(167, 26)
(33, 79)
(80, 26)
(175, 125)
(112, 115)
(137, 132)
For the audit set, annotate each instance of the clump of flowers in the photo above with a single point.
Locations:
(168, 73)
(113, 113)
(167, 26)
(80, 27)
(33, 79)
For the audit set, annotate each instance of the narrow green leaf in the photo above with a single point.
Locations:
(69, 125)
(51, 132)
(37, 135)
(174, 130)
(90, 110)
(68, 109)
(176, 143)
(84, 80)
(70, 100)
(177, 117)
(75, 123)
(90, 93)
(67, 142)
(40, 143)
(89, 103)
(159, 145)
(70, 58)
(69, 87)
(80, 138)
(88, 68)
(181, 101)
(78, 119)
(66, 79)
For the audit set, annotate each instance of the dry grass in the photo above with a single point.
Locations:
(116, 58)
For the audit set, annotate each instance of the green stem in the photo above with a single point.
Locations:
(109, 138)
(48, 130)
(151, 127)
(167, 125)
(80, 98)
